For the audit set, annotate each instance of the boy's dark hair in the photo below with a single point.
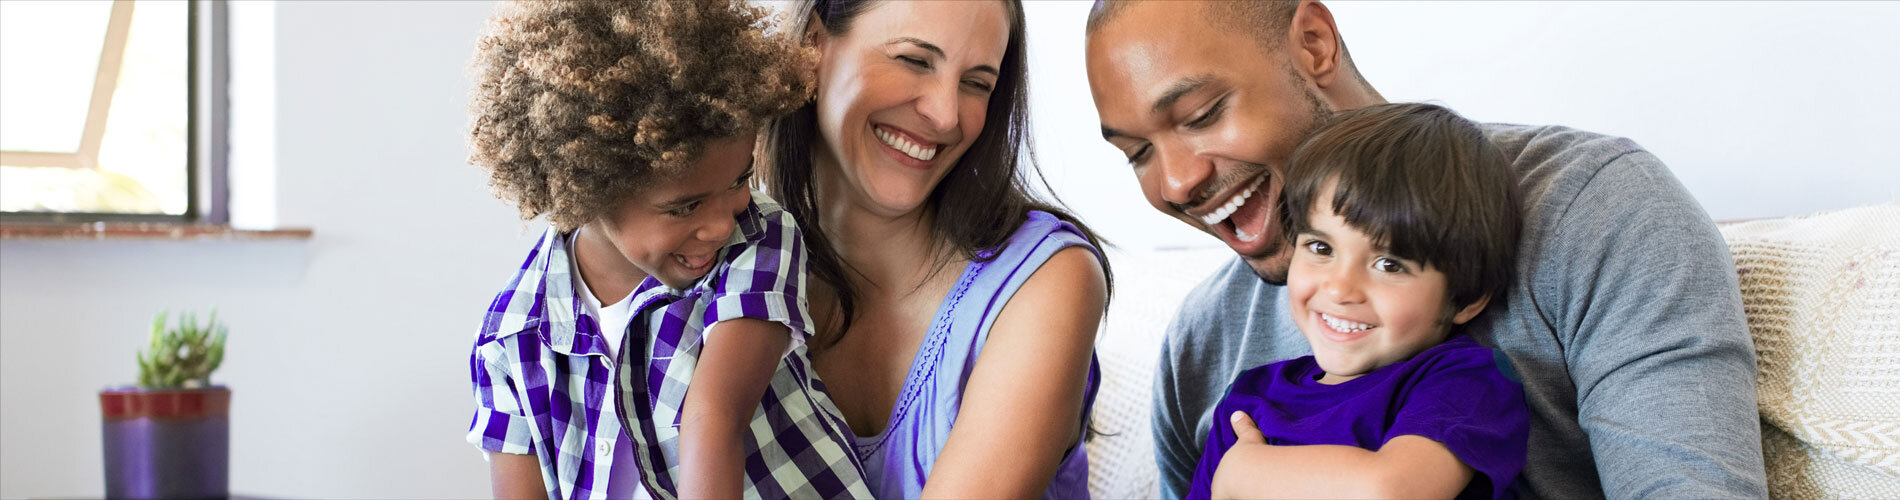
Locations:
(579, 104)
(1420, 181)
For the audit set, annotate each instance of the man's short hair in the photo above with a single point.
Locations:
(1422, 182)
(1266, 20)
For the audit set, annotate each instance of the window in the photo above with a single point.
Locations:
(101, 112)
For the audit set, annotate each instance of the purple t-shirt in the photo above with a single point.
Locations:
(1458, 393)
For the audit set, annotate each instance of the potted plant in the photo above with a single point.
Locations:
(169, 436)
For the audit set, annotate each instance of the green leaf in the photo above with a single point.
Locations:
(215, 355)
(145, 372)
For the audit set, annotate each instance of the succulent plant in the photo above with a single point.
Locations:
(184, 356)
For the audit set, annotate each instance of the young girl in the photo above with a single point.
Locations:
(1405, 222)
(631, 127)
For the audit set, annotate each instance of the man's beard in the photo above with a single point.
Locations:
(1277, 259)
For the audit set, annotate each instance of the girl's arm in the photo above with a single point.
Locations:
(515, 476)
(1022, 407)
(727, 385)
(1406, 467)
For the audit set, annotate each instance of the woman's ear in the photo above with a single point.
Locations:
(815, 33)
(1471, 310)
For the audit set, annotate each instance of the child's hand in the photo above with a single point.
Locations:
(1246, 436)
(1245, 431)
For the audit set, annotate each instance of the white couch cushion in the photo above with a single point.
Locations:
(1822, 294)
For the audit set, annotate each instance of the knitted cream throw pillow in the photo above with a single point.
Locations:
(1822, 294)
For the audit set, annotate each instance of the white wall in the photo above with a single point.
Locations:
(1761, 108)
(348, 354)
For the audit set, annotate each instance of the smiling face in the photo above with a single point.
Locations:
(674, 230)
(1359, 306)
(1207, 119)
(902, 95)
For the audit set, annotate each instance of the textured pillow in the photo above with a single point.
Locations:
(1822, 294)
(1149, 287)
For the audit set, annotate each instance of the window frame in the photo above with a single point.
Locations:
(206, 134)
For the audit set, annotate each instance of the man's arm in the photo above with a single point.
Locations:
(727, 385)
(1173, 426)
(1642, 292)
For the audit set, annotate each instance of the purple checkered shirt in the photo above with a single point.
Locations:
(799, 445)
(542, 378)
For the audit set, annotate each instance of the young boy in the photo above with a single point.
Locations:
(631, 127)
(1405, 225)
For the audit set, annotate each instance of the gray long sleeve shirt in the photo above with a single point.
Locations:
(1625, 324)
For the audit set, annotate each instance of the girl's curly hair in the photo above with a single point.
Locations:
(579, 104)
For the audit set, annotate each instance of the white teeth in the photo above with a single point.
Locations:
(1343, 326)
(1242, 235)
(899, 143)
(1221, 214)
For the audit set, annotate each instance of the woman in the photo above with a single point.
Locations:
(944, 292)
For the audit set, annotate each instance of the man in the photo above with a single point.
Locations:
(1625, 322)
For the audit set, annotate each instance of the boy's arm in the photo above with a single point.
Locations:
(728, 383)
(515, 476)
(501, 427)
(1406, 467)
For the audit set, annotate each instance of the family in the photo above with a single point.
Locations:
(842, 190)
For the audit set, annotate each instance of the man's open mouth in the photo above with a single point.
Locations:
(1244, 214)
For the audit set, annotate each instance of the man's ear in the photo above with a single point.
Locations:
(1315, 42)
(1471, 310)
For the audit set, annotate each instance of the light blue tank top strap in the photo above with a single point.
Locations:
(898, 460)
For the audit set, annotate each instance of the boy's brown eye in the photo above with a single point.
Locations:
(1388, 265)
(1319, 247)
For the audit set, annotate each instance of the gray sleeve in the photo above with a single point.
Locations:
(1175, 449)
(1655, 339)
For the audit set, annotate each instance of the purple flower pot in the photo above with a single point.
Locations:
(166, 443)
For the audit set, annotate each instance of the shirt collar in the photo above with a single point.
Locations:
(569, 330)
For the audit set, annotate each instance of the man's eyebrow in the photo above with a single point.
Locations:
(1178, 90)
(1174, 93)
(933, 48)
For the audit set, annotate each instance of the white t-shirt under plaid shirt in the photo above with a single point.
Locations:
(543, 381)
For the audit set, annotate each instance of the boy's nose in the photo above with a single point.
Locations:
(1342, 287)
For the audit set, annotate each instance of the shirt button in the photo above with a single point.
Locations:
(603, 448)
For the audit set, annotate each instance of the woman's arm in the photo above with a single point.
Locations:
(727, 385)
(1406, 467)
(515, 476)
(1022, 407)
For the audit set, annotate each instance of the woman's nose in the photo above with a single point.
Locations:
(938, 105)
